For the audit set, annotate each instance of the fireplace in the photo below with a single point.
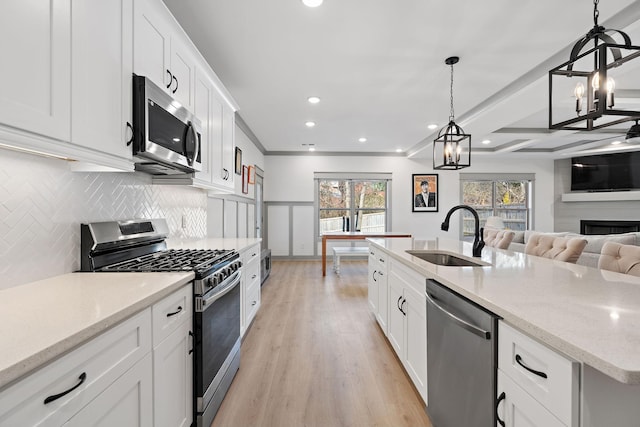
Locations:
(608, 227)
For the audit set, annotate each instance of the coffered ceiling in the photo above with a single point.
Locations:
(378, 68)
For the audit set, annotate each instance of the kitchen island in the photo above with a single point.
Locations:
(588, 315)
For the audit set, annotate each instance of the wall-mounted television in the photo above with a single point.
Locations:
(606, 172)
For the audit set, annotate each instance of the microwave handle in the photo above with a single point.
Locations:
(196, 142)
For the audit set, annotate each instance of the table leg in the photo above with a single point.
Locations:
(324, 256)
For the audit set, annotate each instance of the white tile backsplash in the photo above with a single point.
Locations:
(43, 203)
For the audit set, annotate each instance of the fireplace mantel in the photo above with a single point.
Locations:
(601, 196)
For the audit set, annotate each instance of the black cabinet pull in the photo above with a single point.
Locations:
(82, 377)
(500, 399)
(191, 335)
(373, 276)
(130, 139)
(533, 371)
(175, 312)
(402, 305)
(176, 79)
(170, 79)
(398, 303)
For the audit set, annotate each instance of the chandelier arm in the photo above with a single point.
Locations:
(601, 34)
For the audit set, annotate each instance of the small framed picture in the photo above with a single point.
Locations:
(245, 179)
(425, 192)
(238, 167)
(252, 174)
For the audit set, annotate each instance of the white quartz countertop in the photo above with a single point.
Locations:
(43, 320)
(589, 314)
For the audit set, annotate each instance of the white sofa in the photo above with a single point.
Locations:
(591, 252)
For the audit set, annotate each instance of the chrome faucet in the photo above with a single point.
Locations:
(478, 241)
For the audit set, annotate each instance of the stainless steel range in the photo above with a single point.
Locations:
(140, 246)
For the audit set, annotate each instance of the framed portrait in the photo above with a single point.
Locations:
(238, 166)
(245, 179)
(425, 192)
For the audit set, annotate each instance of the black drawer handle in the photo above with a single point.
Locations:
(175, 312)
(500, 399)
(533, 371)
(373, 276)
(82, 377)
(253, 277)
(254, 303)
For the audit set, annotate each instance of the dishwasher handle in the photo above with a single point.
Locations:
(463, 324)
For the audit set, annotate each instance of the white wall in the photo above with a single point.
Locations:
(290, 179)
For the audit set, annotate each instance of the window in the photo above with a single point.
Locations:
(352, 203)
(507, 196)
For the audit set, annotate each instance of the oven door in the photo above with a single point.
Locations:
(164, 131)
(217, 345)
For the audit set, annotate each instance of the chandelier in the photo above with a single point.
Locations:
(582, 90)
(452, 147)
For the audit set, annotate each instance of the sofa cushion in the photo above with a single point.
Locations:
(518, 237)
(621, 258)
(554, 247)
(595, 243)
(529, 233)
(498, 238)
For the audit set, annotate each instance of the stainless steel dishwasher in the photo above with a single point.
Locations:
(461, 360)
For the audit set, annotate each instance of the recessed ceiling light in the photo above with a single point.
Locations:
(363, 139)
(313, 99)
(310, 124)
(432, 126)
(312, 148)
(616, 142)
(486, 141)
(312, 3)
(398, 150)
(176, 139)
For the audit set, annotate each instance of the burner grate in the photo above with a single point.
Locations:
(173, 260)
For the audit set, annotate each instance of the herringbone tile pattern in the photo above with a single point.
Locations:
(43, 203)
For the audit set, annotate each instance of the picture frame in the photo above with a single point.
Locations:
(252, 174)
(418, 203)
(238, 158)
(245, 179)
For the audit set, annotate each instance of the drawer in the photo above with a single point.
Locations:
(517, 408)
(103, 360)
(519, 356)
(408, 275)
(251, 254)
(252, 301)
(252, 272)
(170, 312)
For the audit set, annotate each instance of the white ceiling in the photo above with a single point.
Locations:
(378, 67)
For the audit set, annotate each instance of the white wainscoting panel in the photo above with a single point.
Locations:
(43, 203)
(278, 230)
(303, 230)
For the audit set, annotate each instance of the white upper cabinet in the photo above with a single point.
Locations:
(162, 52)
(102, 66)
(36, 71)
(202, 110)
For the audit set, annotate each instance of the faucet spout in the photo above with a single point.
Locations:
(478, 240)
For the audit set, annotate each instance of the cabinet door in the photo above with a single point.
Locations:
(173, 379)
(416, 339)
(152, 42)
(183, 70)
(215, 127)
(228, 144)
(374, 276)
(202, 109)
(35, 42)
(396, 317)
(102, 63)
(128, 402)
(518, 409)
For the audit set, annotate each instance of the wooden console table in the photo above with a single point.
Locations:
(351, 235)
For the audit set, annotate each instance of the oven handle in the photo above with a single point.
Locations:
(234, 280)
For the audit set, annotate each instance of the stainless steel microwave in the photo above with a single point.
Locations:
(166, 136)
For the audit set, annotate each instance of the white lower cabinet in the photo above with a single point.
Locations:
(128, 402)
(136, 374)
(516, 408)
(378, 287)
(541, 386)
(250, 290)
(407, 330)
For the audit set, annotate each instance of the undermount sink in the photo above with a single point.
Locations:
(445, 258)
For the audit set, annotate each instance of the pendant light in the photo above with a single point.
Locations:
(582, 90)
(452, 147)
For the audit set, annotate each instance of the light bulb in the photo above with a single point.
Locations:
(595, 84)
(458, 151)
(579, 93)
(595, 81)
(611, 86)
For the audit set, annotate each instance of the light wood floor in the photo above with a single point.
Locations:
(315, 356)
